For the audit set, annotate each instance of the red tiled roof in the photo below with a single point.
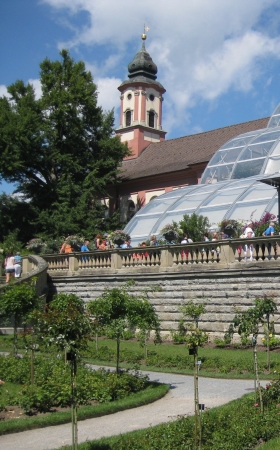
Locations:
(177, 154)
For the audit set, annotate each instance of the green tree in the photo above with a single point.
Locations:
(249, 323)
(18, 301)
(117, 310)
(195, 338)
(64, 155)
(194, 226)
(66, 325)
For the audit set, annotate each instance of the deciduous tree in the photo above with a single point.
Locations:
(59, 149)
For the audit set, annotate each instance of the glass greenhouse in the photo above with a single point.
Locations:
(229, 188)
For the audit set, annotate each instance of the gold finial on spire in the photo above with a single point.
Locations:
(144, 36)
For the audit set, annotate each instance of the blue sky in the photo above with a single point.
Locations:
(219, 60)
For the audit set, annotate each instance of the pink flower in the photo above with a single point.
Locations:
(256, 404)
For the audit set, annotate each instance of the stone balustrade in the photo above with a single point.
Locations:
(187, 257)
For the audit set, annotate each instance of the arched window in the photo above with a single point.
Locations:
(128, 118)
(151, 119)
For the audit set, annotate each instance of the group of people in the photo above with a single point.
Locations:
(12, 265)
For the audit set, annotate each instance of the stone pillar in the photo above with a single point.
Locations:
(116, 261)
(73, 263)
(227, 253)
(166, 259)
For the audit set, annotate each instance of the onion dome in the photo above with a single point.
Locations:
(142, 64)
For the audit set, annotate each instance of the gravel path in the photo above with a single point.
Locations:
(179, 401)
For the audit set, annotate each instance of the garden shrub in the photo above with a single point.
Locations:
(52, 386)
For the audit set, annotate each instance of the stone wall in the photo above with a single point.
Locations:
(223, 292)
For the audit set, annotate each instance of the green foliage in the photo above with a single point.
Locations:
(179, 337)
(64, 153)
(250, 321)
(64, 323)
(117, 311)
(195, 226)
(52, 388)
(19, 301)
(237, 425)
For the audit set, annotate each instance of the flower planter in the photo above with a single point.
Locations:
(170, 236)
(118, 241)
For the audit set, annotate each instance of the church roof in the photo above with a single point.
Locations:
(180, 153)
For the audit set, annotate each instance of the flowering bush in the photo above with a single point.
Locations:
(35, 245)
(259, 226)
(119, 235)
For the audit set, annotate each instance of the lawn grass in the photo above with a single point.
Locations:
(216, 362)
(273, 444)
(154, 392)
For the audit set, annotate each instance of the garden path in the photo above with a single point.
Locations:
(178, 402)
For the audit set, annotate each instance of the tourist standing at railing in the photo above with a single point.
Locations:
(98, 240)
(248, 233)
(17, 266)
(9, 266)
(66, 248)
(270, 232)
(217, 249)
(186, 240)
(84, 247)
(127, 244)
(103, 245)
(153, 241)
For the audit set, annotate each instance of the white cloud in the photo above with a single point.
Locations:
(37, 87)
(202, 48)
(3, 90)
(108, 94)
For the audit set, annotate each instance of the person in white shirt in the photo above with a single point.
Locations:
(248, 233)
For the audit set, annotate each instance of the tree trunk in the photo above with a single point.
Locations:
(74, 403)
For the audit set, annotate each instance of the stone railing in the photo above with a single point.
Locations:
(33, 266)
(203, 255)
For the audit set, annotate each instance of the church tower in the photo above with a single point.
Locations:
(141, 104)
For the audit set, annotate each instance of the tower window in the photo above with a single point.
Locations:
(128, 118)
(152, 97)
(129, 96)
(152, 119)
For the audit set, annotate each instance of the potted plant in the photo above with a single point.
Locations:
(231, 227)
(119, 237)
(35, 245)
(170, 232)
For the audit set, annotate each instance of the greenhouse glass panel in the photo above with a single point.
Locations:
(246, 210)
(258, 191)
(274, 121)
(193, 200)
(256, 151)
(276, 150)
(272, 165)
(214, 215)
(248, 168)
(271, 136)
(225, 156)
(215, 174)
(140, 225)
(240, 141)
(161, 205)
(225, 196)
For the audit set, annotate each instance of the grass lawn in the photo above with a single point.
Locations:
(167, 357)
